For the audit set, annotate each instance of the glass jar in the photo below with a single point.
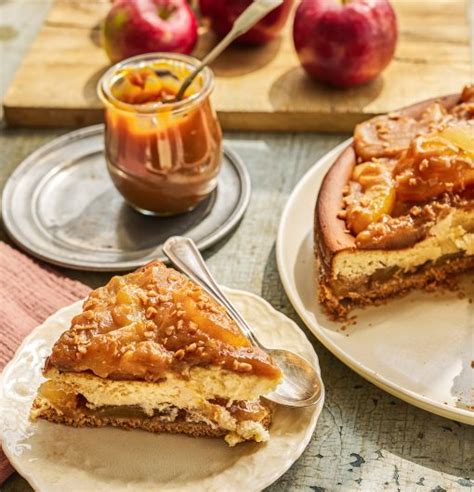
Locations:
(163, 156)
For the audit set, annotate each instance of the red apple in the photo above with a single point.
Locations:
(222, 14)
(133, 27)
(345, 42)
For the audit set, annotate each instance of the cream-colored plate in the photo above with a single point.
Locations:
(419, 348)
(57, 458)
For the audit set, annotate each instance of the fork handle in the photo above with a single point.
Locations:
(184, 254)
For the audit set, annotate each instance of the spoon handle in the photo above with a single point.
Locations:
(183, 253)
(252, 14)
(248, 18)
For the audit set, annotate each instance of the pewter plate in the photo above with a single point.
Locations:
(61, 206)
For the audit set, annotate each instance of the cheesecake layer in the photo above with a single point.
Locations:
(218, 399)
(202, 385)
(450, 236)
(364, 277)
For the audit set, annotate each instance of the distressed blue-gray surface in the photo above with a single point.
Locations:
(365, 439)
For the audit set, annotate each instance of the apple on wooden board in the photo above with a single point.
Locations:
(223, 13)
(134, 27)
(345, 42)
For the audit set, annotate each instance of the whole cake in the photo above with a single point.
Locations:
(396, 209)
(151, 350)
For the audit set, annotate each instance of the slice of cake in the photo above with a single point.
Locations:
(396, 209)
(151, 350)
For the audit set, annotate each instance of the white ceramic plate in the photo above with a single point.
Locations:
(55, 458)
(419, 348)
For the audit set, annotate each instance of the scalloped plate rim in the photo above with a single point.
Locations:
(20, 468)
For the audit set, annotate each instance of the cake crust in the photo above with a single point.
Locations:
(428, 278)
(41, 409)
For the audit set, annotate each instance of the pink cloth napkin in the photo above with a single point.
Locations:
(29, 293)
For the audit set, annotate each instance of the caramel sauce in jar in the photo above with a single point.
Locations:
(163, 155)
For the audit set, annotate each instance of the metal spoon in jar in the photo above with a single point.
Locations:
(247, 19)
(301, 386)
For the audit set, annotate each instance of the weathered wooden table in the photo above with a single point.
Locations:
(365, 438)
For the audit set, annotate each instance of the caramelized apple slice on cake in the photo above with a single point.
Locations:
(435, 163)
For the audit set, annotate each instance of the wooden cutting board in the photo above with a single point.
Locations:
(256, 89)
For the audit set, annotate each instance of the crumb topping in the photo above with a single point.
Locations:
(141, 325)
(409, 173)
